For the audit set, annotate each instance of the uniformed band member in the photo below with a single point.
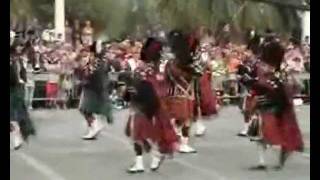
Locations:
(21, 125)
(181, 74)
(94, 101)
(245, 70)
(149, 126)
(275, 122)
(206, 100)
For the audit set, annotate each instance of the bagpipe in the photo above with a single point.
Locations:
(246, 73)
(198, 65)
(274, 96)
(93, 65)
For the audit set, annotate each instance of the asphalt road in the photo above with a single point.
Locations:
(58, 153)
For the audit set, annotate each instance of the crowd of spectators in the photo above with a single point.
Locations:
(46, 54)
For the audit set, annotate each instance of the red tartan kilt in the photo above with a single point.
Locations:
(208, 99)
(160, 132)
(141, 129)
(51, 90)
(181, 109)
(282, 130)
(250, 103)
(167, 137)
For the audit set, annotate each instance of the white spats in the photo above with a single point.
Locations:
(184, 146)
(261, 152)
(97, 125)
(138, 166)
(298, 102)
(17, 137)
(245, 129)
(89, 134)
(200, 128)
(177, 128)
(93, 130)
(178, 131)
(156, 161)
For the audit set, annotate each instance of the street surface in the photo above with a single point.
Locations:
(58, 153)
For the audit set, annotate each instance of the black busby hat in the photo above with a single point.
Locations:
(151, 50)
(180, 47)
(272, 53)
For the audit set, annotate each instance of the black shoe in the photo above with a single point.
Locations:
(190, 152)
(242, 135)
(258, 168)
(256, 139)
(89, 139)
(277, 168)
(17, 147)
(200, 135)
(134, 171)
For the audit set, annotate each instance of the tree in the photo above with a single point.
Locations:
(122, 16)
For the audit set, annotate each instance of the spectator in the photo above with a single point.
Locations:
(294, 58)
(48, 34)
(76, 32)
(87, 34)
(68, 33)
(65, 89)
(219, 69)
(29, 83)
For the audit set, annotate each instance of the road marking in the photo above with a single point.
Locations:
(207, 172)
(211, 173)
(41, 167)
(274, 148)
(307, 155)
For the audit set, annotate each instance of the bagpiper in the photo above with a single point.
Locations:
(21, 125)
(149, 126)
(206, 100)
(247, 102)
(181, 74)
(275, 122)
(94, 102)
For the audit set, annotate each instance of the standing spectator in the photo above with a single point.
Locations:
(52, 90)
(78, 46)
(48, 34)
(232, 62)
(12, 37)
(29, 84)
(294, 58)
(65, 88)
(87, 34)
(232, 65)
(53, 66)
(76, 32)
(68, 33)
(307, 40)
(219, 69)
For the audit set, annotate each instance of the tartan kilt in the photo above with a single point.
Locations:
(180, 108)
(17, 103)
(208, 99)
(19, 112)
(249, 106)
(282, 130)
(140, 128)
(97, 103)
(158, 130)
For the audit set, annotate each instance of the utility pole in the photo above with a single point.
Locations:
(305, 24)
(59, 19)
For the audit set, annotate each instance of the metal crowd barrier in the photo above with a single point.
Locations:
(302, 77)
(42, 79)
